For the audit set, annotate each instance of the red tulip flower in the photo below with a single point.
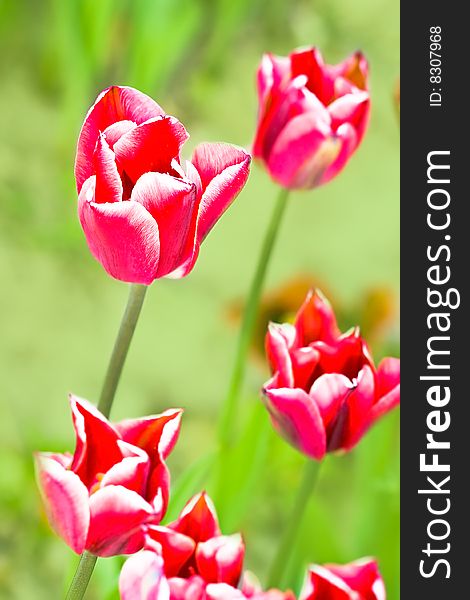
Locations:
(312, 116)
(325, 392)
(190, 553)
(117, 481)
(359, 580)
(144, 211)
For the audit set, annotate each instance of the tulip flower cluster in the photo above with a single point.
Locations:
(110, 496)
(190, 560)
(145, 213)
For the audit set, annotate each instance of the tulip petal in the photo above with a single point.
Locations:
(309, 62)
(290, 102)
(158, 488)
(355, 69)
(176, 548)
(192, 588)
(131, 472)
(315, 320)
(250, 584)
(172, 203)
(142, 578)
(223, 591)
(353, 109)
(303, 151)
(198, 519)
(279, 339)
(108, 182)
(65, 499)
(304, 365)
(151, 146)
(388, 376)
(157, 433)
(297, 418)
(220, 559)
(272, 71)
(115, 131)
(347, 355)
(117, 517)
(388, 387)
(323, 583)
(192, 175)
(96, 449)
(329, 392)
(355, 417)
(346, 138)
(122, 236)
(363, 577)
(113, 104)
(223, 169)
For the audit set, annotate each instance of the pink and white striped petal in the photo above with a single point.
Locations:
(65, 499)
(297, 418)
(172, 203)
(142, 578)
(114, 104)
(122, 236)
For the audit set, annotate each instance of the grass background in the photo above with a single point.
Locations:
(59, 311)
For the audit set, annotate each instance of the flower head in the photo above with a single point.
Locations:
(325, 391)
(189, 553)
(144, 211)
(99, 498)
(312, 116)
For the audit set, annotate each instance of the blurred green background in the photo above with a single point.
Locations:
(59, 311)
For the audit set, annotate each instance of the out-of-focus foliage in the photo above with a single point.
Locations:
(59, 311)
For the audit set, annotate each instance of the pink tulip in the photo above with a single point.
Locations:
(144, 211)
(325, 392)
(359, 580)
(312, 116)
(193, 551)
(117, 481)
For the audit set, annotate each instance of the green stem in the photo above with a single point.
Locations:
(121, 347)
(286, 546)
(113, 374)
(82, 576)
(249, 317)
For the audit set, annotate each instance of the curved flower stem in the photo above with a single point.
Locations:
(246, 331)
(82, 576)
(113, 374)
(289, 537)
